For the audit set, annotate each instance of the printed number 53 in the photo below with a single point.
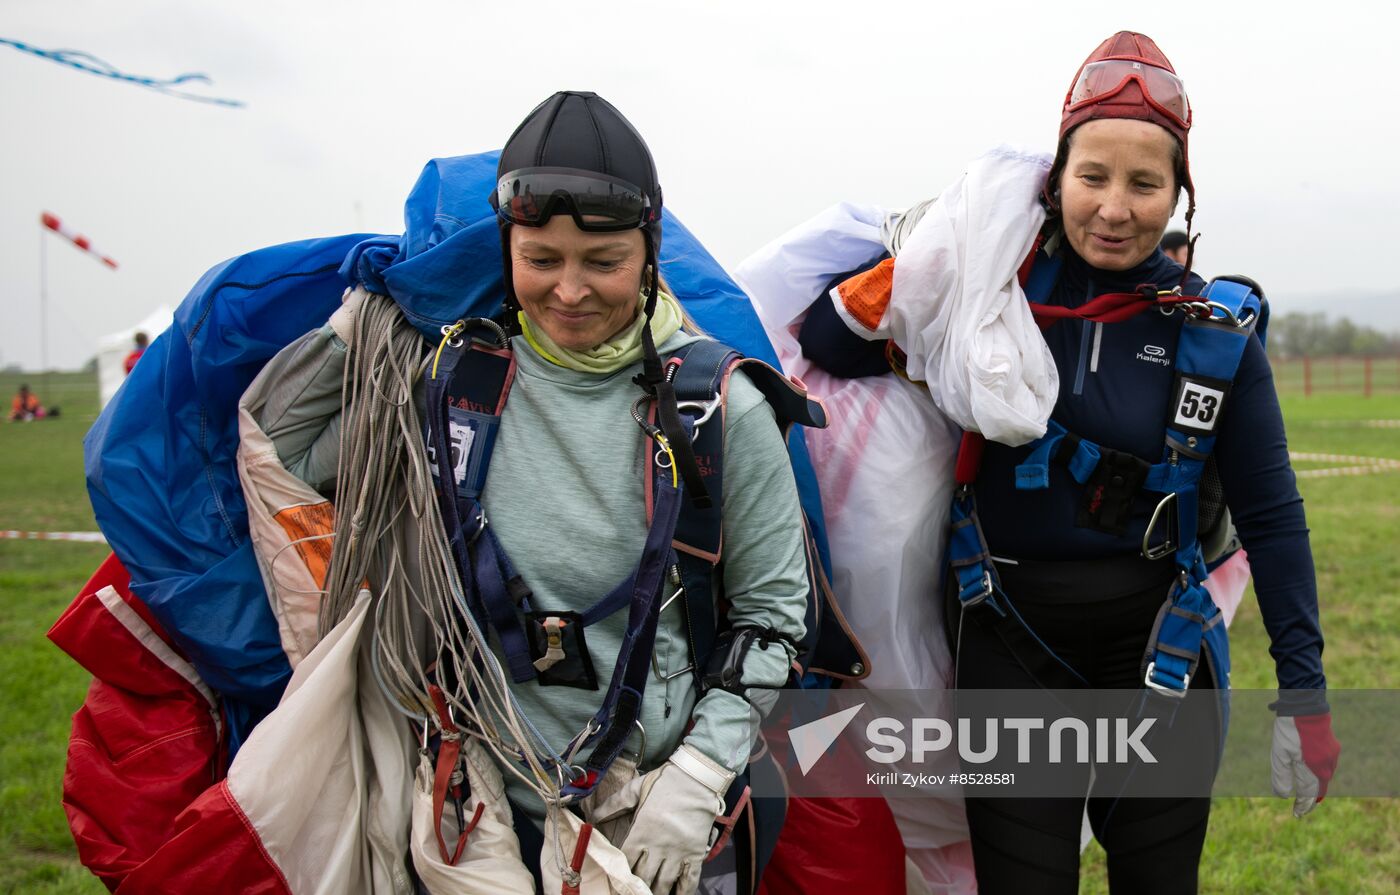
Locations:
(1198, 407)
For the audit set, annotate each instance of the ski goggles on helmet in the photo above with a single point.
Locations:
(1098, 81)
(599, 203)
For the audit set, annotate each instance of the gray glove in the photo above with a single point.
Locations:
(673, 811)
(1304, 759)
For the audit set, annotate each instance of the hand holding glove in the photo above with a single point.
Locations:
(673, 813)
(1304, 759)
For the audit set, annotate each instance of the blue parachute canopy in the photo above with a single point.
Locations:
(160, 459)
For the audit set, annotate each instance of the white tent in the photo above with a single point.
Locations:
(113, 348)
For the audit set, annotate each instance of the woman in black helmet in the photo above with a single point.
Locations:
(591, 435)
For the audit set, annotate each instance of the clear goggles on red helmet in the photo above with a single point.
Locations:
(1099, 80)
(598, 203)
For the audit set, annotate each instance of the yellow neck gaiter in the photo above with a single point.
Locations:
(622, 350)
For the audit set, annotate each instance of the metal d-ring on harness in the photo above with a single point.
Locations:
(1167, 547)
(701, 410)
(662, 676)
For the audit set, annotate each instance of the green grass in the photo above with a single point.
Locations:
(41, 688)
(41, 481)
(41, 489)
(1348, 845)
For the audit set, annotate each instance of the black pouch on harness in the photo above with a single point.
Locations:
(1107, 502)
(559, 650)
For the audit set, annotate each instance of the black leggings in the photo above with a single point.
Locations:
(1032, 844)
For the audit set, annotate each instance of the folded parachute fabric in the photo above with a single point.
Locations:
(161, 473)
(950, 300)
(292, 411)
(886, 437)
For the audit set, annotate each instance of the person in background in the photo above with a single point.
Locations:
(1174, 245)
(140, 342)
(25, 406)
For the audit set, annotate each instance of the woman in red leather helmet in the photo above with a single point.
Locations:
(1081, 579)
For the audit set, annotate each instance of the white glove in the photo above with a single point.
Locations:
(1304, 759)
(673, 814)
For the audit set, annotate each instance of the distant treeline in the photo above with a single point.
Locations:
(1297, 334)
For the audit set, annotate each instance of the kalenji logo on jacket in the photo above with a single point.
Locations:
(1154, 354)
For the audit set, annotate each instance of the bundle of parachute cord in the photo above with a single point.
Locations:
(389, 532)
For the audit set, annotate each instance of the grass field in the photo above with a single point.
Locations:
(41, 489)
(1255, 846)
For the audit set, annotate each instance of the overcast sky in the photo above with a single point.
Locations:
(759, 114)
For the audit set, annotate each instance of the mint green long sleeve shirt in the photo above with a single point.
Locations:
(565, 496)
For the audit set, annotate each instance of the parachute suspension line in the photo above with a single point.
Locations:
(365, 500)
(389, 533)
(898, 226)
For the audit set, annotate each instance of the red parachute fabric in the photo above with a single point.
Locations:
(834, 846)
(213, 847)
(145, 742)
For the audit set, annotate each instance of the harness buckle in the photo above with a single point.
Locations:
(702, 410)
(973, 602)
(642, 731)
(1205, 309)
(1212, 306)
(1168, 546)
(1163, 689)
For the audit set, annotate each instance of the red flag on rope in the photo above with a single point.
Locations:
(53, 223)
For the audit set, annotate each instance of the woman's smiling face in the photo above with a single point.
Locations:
(580, 288)
(1118, 190)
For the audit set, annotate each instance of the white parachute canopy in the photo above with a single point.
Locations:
(113, 348)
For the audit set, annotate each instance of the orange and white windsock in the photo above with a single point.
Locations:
(53, 223)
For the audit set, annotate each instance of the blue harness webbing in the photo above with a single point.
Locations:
(1213, 337)
(700, 381)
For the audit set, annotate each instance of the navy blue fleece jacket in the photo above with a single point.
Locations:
(1115, 385)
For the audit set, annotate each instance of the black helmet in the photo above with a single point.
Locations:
(576, 154)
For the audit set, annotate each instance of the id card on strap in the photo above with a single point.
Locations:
(475, 396)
